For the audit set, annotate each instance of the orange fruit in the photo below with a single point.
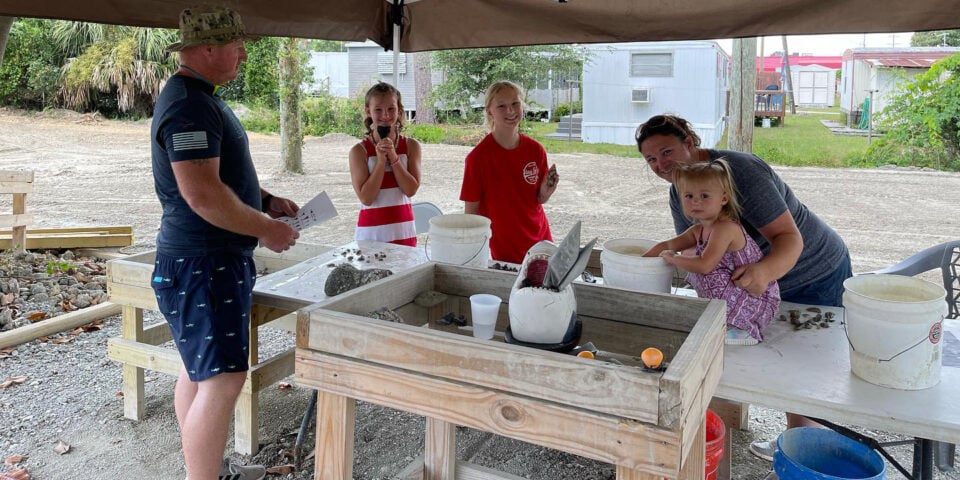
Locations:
(585, 354)
(652, 357)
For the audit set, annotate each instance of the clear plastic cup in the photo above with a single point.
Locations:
(484, 309)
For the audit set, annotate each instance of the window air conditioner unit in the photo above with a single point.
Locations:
(641, 95)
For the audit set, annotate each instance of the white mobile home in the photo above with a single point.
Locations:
(881, 70)
(624, 84)
(330, 74)
(369, 63)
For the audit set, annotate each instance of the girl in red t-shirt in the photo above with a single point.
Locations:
(506, 179)
(385, 170)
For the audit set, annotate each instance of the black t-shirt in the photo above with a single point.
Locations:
(190, 123)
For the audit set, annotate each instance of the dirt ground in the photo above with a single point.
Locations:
(91, 171)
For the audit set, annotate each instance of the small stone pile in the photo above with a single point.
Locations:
(44, 284)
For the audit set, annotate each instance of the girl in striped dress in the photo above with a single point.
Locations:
(385, 170)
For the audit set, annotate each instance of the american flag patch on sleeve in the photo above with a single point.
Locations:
(190, 141)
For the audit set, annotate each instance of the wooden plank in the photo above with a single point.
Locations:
(98, 229)
(135, 296)
(734, 414)
(682, 381)
(246, 427)
(57, 324)
(269, 261)
(439, 450)
(624, 473)
(10, 221)
(464, 471)
(336, 421)
(16, 176)
(16, 187)
(590, 434)
(36, 242)
(151, 357)
(131, 328)
(695, 463)
(556, 377)
(18, 236)
(271, 371)
(156, 334)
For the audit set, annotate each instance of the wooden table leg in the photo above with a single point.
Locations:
(131, 328)
(694, 467)
(18, 240)
(440, 450)
(246, 420)
(246, 413)
(336, 420)
(624, 473)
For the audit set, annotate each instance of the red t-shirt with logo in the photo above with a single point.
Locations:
(506, 183)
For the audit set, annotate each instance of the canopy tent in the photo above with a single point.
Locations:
(446, 24)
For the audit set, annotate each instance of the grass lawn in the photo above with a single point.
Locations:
(802, 142)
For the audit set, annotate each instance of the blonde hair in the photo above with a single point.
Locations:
(383, 88)
(717, 171)
(493, 91)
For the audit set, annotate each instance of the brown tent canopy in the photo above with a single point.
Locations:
(445, 24)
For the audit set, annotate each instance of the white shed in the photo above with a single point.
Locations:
(624, 84)
(815, 85)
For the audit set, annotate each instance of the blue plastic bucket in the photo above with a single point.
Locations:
(809, 453)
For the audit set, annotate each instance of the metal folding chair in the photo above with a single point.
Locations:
(945, 256)
(422, 213)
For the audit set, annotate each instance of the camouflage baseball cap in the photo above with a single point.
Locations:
(208, 25)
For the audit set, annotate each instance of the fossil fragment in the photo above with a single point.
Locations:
(346, 277)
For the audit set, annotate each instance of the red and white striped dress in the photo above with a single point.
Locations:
(390, 217)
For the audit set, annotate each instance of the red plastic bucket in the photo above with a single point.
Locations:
(716, 431)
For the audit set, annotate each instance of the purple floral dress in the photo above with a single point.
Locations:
(745, 312)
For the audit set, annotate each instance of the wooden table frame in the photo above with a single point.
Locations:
(452, 379)
(138, 347)
(294, 279)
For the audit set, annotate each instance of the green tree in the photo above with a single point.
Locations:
(31, 64)
(326, 46)
(925, 111)
(128, 64)
(261, 73)
(936, 38)
(467, 73)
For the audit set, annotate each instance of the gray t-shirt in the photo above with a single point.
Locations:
(763, 196)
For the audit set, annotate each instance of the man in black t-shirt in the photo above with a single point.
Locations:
(212, 220)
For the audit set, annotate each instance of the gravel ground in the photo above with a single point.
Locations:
(95, 172)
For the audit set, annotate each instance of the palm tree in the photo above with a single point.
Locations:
(128, 62)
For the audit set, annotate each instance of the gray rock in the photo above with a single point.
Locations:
(68, 255)
(346, 277)
(83, 300)
(429, 298)
(384, 313)
(37, 288)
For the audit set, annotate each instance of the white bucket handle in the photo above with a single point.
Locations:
(475, 255)
(879, 360)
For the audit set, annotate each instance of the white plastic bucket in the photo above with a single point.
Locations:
(894, 327)
(460, 239)
(624, 267)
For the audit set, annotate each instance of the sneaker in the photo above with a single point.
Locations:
(736, 336)
(231, 470)
(763, 449)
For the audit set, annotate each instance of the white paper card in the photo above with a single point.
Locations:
(317, 210)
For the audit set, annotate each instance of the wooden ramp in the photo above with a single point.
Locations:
(75, 237)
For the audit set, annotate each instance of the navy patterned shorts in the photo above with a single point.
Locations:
(206, 301)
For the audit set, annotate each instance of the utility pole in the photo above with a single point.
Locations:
(743, 95)
(788, 81)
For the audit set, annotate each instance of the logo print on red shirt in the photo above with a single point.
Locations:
(531, 173)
